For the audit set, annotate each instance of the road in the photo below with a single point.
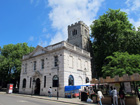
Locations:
(7, 99)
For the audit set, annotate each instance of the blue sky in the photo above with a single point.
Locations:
(44, 22)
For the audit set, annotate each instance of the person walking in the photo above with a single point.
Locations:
(50, 92)
(115, 97)
(122, 96)
(111, 94)
(99, 97)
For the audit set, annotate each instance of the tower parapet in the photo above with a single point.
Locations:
(78, 23)
(78, 35)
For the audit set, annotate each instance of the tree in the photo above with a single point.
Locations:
(10, 62)
(112, 32)
(121, 63)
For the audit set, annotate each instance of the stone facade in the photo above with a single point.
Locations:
(61, 60)
(78, 35)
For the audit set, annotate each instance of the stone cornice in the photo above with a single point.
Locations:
(60, 46)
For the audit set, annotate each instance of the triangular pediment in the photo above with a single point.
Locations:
(38, 51)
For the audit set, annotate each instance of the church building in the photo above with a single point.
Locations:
(59, 65)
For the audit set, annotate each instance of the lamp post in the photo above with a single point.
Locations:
(58, 79)
(16, 84)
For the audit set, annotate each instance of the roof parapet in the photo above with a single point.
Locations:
(78, 23)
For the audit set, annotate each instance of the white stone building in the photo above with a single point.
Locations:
(67, 62)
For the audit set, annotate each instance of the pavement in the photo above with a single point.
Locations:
(60, 99)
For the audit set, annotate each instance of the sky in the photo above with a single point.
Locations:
(44, 22)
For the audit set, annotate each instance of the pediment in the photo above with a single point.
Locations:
(38, 51)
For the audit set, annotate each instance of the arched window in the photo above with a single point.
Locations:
(74, 32)
(71, 80)
(87, 80)
(24, 83)
(55, 81)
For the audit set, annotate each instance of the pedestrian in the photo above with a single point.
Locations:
(111, 94)
(115, 97)
(137, 91)
(89, 99)
(85, 89)
(90, 92)
(122, 96)
(99, 97)
(50, 92)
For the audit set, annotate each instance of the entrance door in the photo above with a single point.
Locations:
(37, 87)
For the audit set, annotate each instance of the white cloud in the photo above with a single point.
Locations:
(43, 39)
(58, 38)
(132, 8)
(132, 5)
(42, 43)
(127, 3)
(36, 2)
(136, 5)
(135, 23)
(31, 38)
(31, 1)
(44, 30)
(47, 36)
(126, 10)
(66, 12)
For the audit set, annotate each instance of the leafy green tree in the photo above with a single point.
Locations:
(112, 32)
(121, 63)
(10, 62)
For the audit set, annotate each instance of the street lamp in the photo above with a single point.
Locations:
(58, 79)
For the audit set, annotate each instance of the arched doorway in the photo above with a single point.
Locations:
(37, 87)
(71, 80)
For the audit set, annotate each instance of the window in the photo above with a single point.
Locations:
(44, 81)
(74, 32)
(34, 65)
(71, 80)
(55, 81)
(30, 81)
(86, 65)
(42, 64)
(87, 80)
(25, 68)
(24, 83)
(79, 64)
(55, 61)
(70, 61)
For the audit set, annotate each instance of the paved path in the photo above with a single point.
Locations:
(75, 101)
(8, 99)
